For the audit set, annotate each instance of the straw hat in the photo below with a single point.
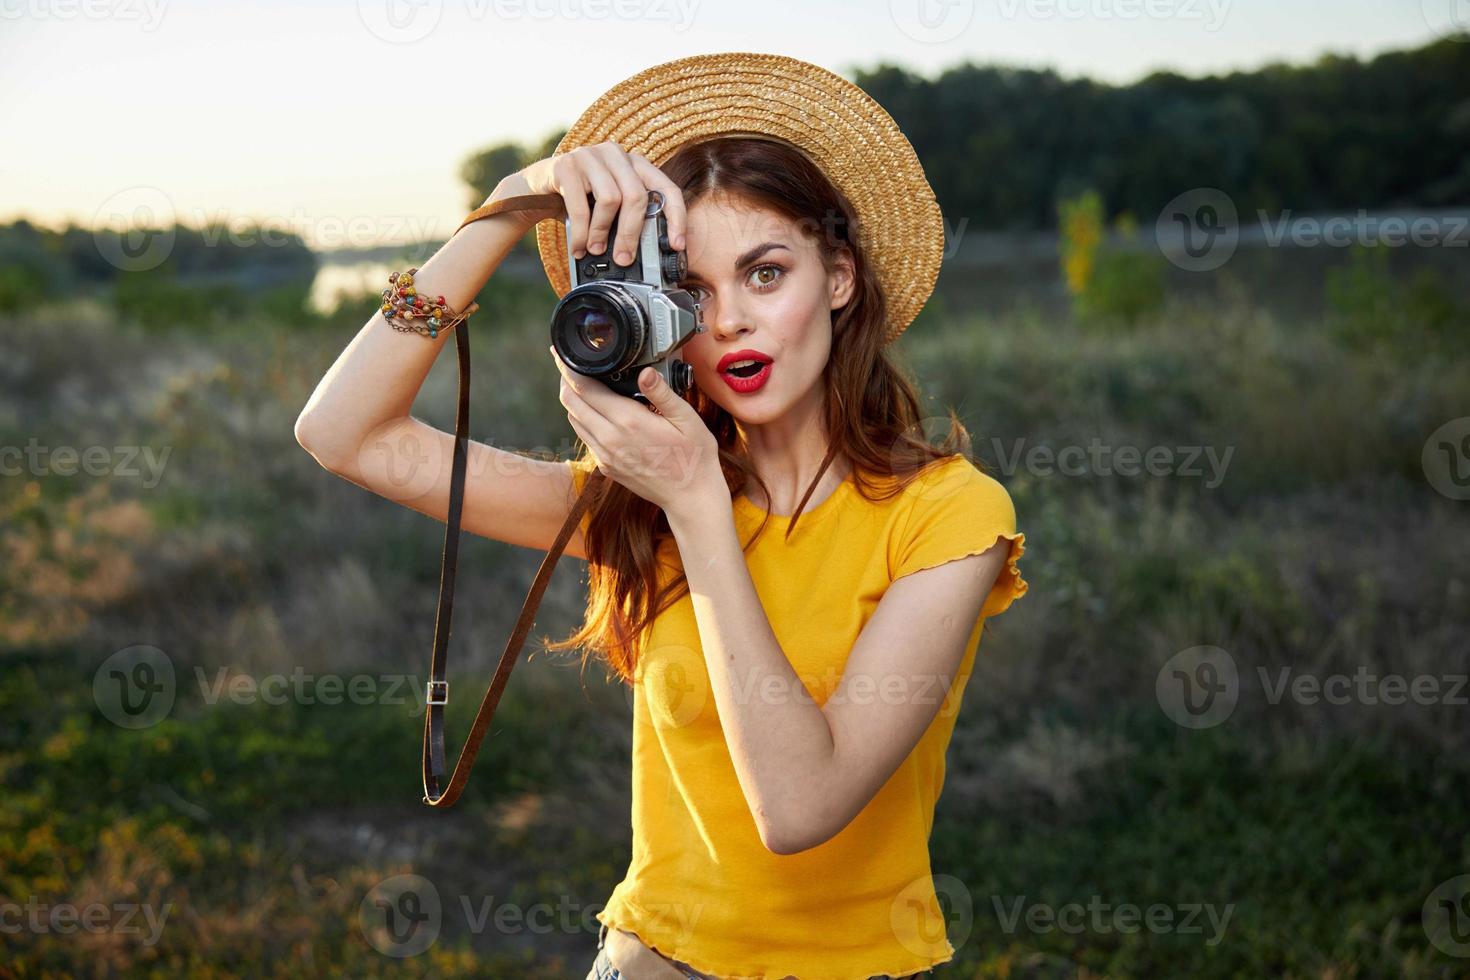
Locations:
(839, 126)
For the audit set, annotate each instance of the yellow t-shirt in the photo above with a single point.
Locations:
(701, 887)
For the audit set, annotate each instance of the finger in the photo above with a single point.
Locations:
(599, 406)
(587, 438)
(674, 209)
(608, 200)
(583, 414)
(574, 192)
(635, 203)
(598, 396)
(662, 397)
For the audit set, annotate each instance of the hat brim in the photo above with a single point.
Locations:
(842, 129)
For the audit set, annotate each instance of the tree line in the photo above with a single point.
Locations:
(1004, 147)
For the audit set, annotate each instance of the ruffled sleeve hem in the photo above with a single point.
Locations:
(1009, 585)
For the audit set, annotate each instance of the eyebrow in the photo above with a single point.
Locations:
(744, 259)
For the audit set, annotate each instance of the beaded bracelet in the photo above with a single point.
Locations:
(400, 299)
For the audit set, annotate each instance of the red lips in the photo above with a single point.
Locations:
(742, 355)
(751, 383)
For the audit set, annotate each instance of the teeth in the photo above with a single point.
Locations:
(736, 364)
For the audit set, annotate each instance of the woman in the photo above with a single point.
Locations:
(794, 692)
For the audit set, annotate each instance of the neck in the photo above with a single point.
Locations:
(786, 453)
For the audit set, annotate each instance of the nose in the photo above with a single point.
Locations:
(726, 320)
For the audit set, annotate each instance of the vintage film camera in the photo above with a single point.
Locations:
(616, 320)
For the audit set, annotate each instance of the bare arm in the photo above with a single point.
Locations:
(357, 422)
(376, 379)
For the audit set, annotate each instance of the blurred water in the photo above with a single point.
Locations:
(360, 276)
(995, 271)
(349, 278)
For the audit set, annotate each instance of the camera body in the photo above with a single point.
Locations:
(616, 320)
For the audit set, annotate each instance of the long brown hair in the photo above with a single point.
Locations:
(872, 410)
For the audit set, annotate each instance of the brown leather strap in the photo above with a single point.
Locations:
(438, 686)
(525, 202)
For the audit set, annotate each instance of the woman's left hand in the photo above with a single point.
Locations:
(668, 457)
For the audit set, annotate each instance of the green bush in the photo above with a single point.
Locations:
(29, 271)
(15, 287)
(1115, 285)
(156, 299)
(1125, 287)
(1369, 308)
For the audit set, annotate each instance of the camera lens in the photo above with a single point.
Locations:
(598, 328)
(594, 328)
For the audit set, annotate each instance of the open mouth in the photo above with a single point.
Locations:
(746, 369)
(747, 375)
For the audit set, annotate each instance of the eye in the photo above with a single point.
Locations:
(772, 275)
(764, 284)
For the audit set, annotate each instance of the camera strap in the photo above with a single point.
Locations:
(438, 686)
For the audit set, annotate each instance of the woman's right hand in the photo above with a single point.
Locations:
(619, 182)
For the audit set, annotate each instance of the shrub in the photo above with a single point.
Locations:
(1121, 284)
(1370, 309)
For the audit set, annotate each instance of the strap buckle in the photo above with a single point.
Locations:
(429, 692)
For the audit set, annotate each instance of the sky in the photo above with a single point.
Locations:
(346, 121)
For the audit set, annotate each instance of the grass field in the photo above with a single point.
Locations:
(1293, 527)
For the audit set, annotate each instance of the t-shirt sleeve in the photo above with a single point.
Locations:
(957, 510)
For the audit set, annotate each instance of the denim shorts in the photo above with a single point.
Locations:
(603, 969)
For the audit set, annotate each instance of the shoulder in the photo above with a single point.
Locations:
(955, 486)
(952, 510)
